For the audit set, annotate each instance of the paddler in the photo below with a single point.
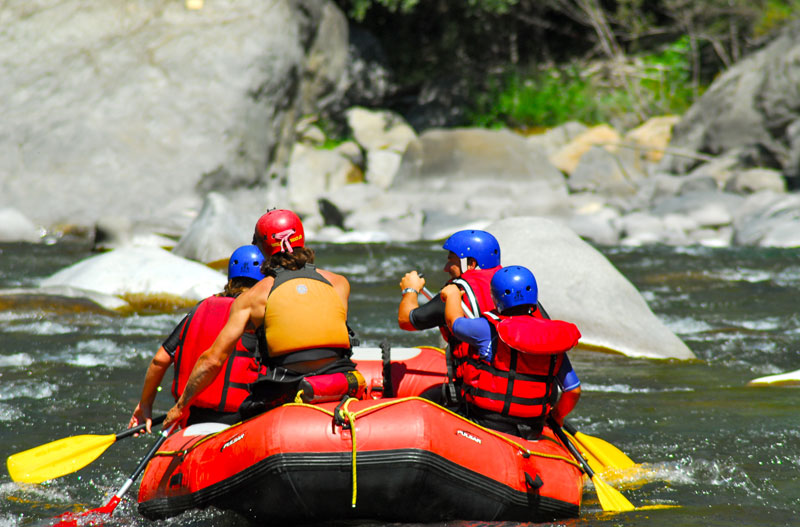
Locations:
(193, 335)
(473, 258)
(299, 312)
(518, 360)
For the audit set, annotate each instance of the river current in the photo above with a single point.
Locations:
(714, 451)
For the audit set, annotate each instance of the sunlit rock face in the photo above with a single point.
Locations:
(141, 276)
(578, 284)
(120, 108)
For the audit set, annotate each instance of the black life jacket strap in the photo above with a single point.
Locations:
(492, 396)
(512, 373)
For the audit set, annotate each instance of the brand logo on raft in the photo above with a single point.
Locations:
(232, 442)
(469, 436)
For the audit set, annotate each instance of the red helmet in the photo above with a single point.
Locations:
(279, 230)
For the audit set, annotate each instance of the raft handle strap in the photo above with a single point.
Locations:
(339, 416)
(533, 484)
(386, 356)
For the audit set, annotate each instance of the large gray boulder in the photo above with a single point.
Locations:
(16, 227)
(140, 271)
(216, 232)
(469, 171)
(116, 107)
(578, 284)
(754, 108)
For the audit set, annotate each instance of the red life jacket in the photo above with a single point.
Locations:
(199, 332)
(477, 297)
(520, 381)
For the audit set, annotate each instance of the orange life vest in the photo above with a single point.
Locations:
(199, 332)
(304, 312)
(520, 381)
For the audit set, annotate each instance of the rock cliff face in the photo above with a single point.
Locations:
(124, 118)
(752, 112)
(118, 108)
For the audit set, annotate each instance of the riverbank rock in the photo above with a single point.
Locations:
(791, 378)
(126, 103)
(142, 276)
(217, 231)
(578, 284)
(16, 227)
(751, 109)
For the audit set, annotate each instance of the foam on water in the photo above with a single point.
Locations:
(743, 275)
(96, 352)
(15, 360)
(32, 389)
(40, 327)
(10, 413)
(789, 277)
(765, 324)
(350, 269)
(624, 388)
(686, 325)
(11, 316)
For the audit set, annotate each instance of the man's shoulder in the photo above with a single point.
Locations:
(332, 277)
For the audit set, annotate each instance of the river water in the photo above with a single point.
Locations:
(717, 452)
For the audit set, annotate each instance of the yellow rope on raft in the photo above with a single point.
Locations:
(351, 417)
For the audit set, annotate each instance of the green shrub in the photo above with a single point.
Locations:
(774, 15)
(666, 79)
(658, 83)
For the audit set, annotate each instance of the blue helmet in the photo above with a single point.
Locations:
(475, 244)
(245, 262)
(514, 286)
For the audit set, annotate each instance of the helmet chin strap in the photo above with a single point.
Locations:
(465, 265)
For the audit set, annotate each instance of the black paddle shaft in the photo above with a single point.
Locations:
(136, 429)
(567, 443)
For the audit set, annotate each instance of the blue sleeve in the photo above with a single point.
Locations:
(567, 378)
(475, 332)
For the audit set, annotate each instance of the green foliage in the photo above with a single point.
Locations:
(666, 78)
(661, 84)
(358, 8)
(775, 14)
(541, 99)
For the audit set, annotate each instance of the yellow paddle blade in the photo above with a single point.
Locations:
(57, 458)
(610, 498)
(606, 453)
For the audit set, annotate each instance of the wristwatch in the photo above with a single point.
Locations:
(410, 290)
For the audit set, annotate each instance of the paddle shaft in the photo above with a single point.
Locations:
(136, 429)
(146, 459)
(573, 450)
(69, 519)
(569, 428)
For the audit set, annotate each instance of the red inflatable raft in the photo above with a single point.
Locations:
(399, 459)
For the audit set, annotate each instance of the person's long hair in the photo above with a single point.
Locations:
(237, 286)
(291, 261)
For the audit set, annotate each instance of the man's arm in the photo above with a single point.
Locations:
(571, 391)
(566, 403)
(410, 300)
(152, 380)
(451, 295)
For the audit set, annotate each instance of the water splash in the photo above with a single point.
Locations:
(16, 360)
(32, 389)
